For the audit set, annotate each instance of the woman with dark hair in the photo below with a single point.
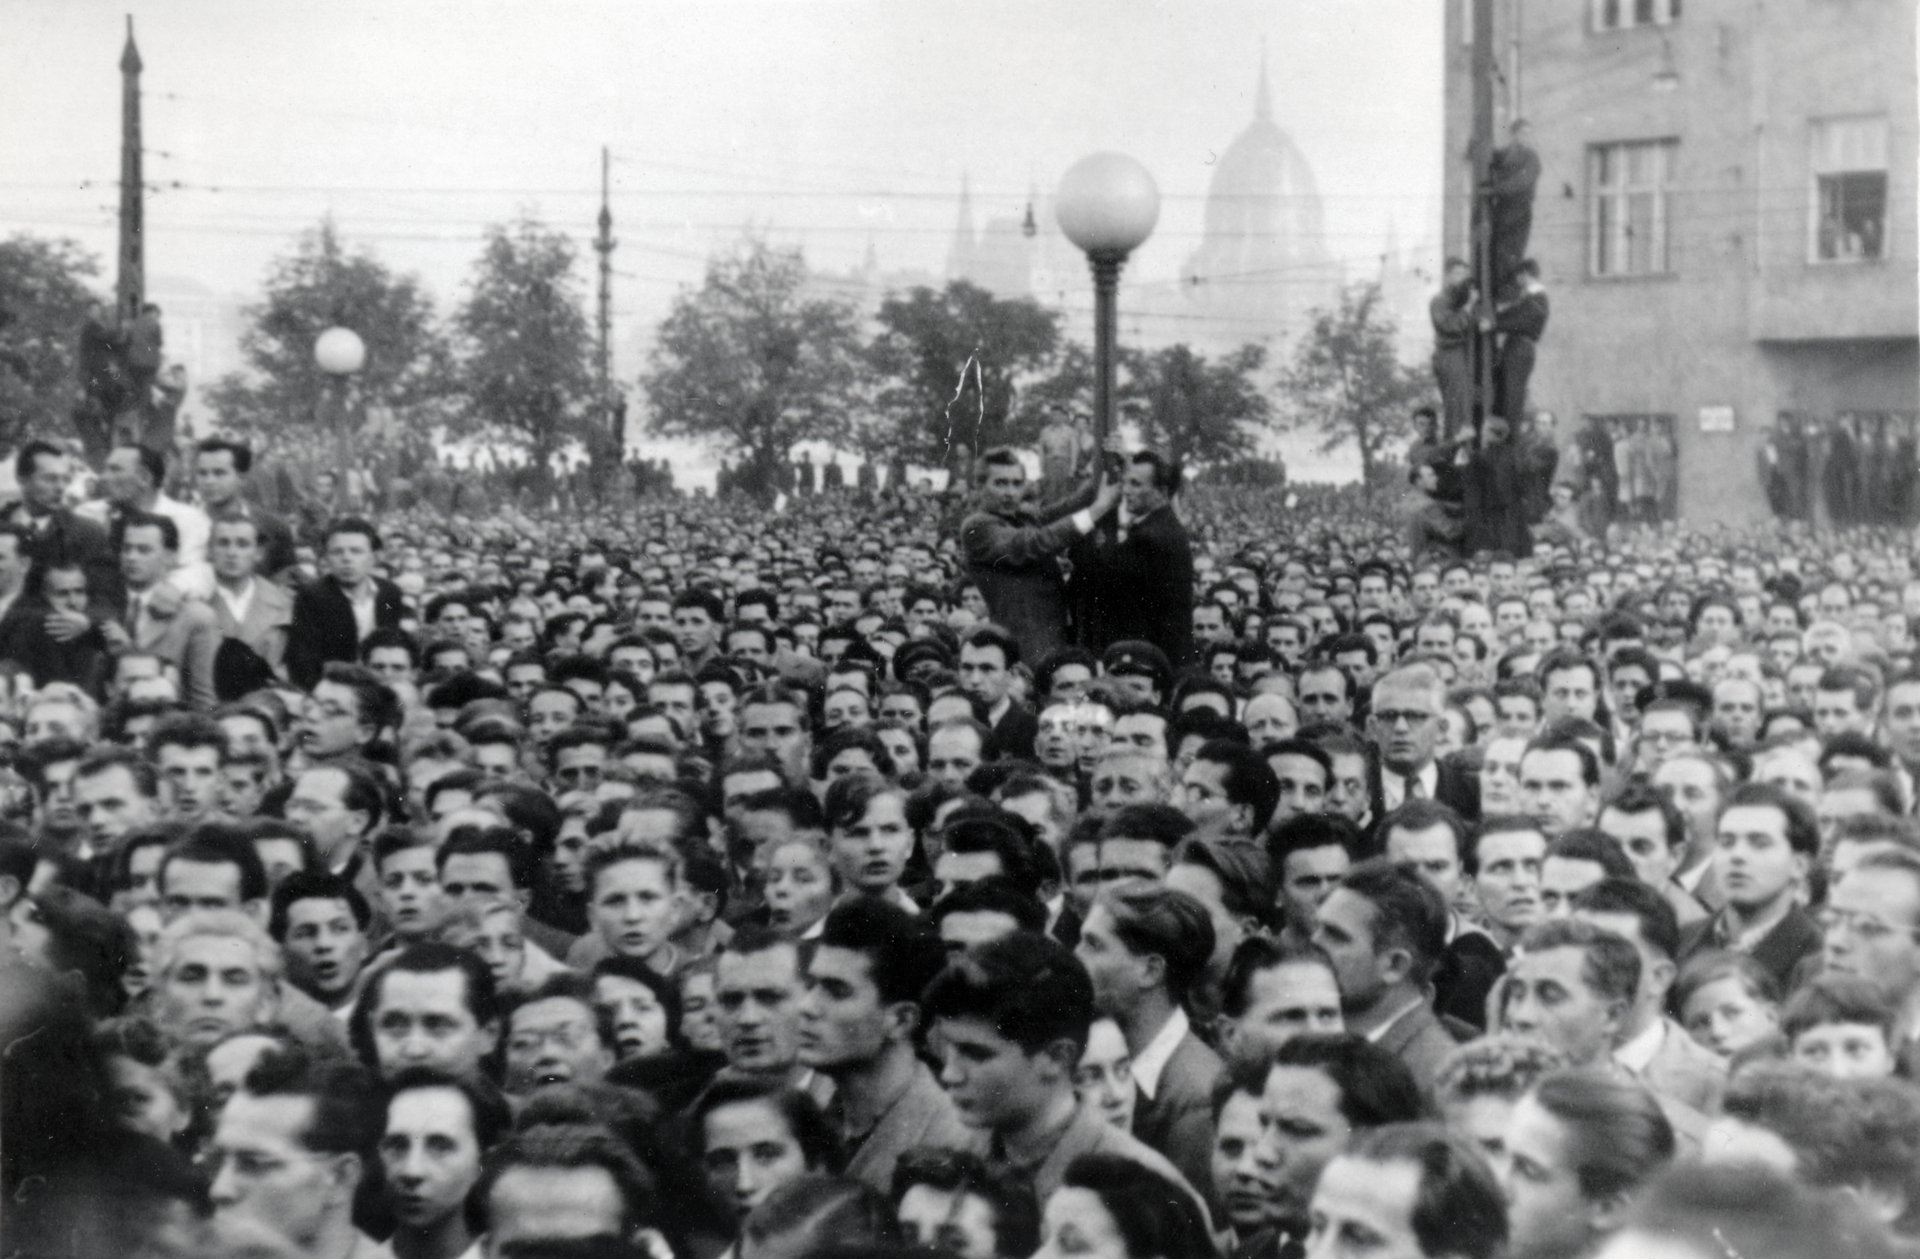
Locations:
(752, 1137)
(1108, 1207)
(77, 938)
(849, 752)
(154, 1088)
(648, 1034)
(1579, 1147)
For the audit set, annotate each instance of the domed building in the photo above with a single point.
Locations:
(1262, 265)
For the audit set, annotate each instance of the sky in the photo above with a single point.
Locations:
(826, 123)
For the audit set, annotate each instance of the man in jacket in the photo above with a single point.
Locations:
(220, 469)
(156, 621)
(1135, 579)
(56, 536)
(334, 613)
(1013, 551)
(254, 614)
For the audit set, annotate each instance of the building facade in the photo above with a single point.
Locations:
(1725, 223)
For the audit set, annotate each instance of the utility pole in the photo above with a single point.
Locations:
(131, 285)
(604, 247)
(1479, 343)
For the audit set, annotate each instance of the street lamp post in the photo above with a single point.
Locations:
(339, 352)
(1107, 206)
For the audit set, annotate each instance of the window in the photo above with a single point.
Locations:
(1849, 215)
(1630, 207)
(1619, 15)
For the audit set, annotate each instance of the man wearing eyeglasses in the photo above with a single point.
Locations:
(1871, 927)
(1405, 727)
(555, 1036)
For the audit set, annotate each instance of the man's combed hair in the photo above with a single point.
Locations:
(1611, 966)
(1027, 987)
(1617, 1135)
(902, 955)
(1376, 1087)
(1458, 1209)
(346, 1110)
(568, 1147)
(1151, 918)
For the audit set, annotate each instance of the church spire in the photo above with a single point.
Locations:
(1262, 98)
(960, 254)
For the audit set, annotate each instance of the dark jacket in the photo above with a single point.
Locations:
(1014, 557)
(1420, 1040)
(1178, 1119)
(64, 539)
(324, 629)
(1012, 736)
(83, 661)
(1139, 587)
(1792, 940)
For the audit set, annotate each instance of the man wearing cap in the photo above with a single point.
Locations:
(1013, 551)
(1142, 670)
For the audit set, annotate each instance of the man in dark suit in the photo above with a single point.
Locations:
(55, 534)
(1012, 551)
(157, 621)
(1405, 727)
(1134, 579)
(1767, 841)
(987, 655)
(220, 469)
(332, 614)
(1385, 928)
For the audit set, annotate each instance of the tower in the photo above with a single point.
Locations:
(130, 287)
(603, 245)
(962, 251)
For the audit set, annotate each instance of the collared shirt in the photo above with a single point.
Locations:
(238, 604)
(1638, 1054)
(364, 617)
(1394, 786)
(1727, 936)
(1378, 1033)
(137, 611)
(7, 602)
(1151, 1062)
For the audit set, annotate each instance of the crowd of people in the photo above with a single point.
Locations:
(1141, 875)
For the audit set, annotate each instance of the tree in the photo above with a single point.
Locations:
(43, 301)
(1194, 411)
(920, 358)
(322, 284)
(526, 351)
(750, 361)
(1346, 385)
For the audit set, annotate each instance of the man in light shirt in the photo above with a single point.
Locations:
(251, 611)
(131, 481)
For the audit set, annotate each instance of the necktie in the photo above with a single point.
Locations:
(1414, 790)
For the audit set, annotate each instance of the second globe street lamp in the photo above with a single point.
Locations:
(1107, 206)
